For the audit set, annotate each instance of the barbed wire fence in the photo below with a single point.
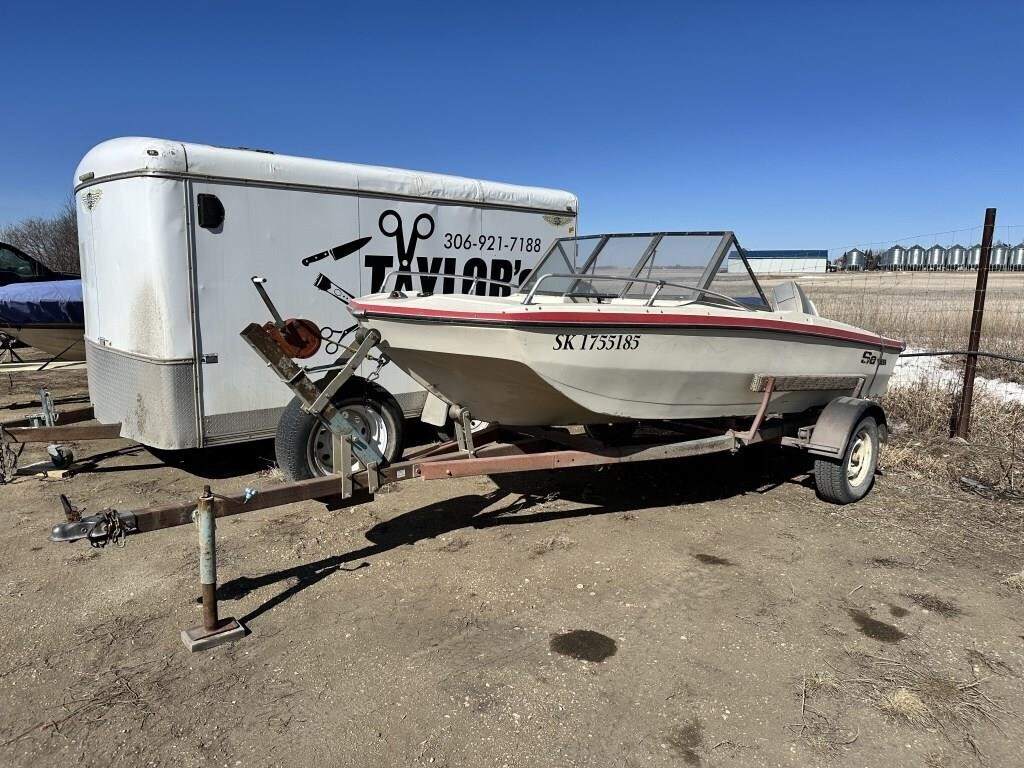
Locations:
(921, 289)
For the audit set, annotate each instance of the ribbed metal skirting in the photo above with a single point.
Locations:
(154, 400)
(241, 426)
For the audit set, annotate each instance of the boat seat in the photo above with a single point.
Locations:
(790, 297)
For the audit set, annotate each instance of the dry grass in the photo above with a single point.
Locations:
(903, 704)
(552, 543)
(820, 731)
(826, 683)
(272, 473)
(932, 311)
(910, 694)
(921, 447)
(930, 602)
(1015, 581)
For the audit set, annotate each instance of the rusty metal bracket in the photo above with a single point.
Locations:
(769, 388)
(373, 477)
(309, 393)
(258, 283)
(357, 358)
(342, 453)
(463, 421)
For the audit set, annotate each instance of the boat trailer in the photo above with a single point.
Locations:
(359, 470)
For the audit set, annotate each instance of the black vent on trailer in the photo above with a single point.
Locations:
(211, 211)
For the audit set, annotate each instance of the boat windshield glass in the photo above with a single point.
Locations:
(662, 267)
(735, 279)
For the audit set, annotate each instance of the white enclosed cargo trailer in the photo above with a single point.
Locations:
(172, 233)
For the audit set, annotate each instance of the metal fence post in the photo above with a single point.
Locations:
(962, 423)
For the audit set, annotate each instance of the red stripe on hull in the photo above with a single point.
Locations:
(625, 318)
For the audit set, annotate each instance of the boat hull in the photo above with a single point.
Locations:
(65, 341)
(47, 315)
(522, 375)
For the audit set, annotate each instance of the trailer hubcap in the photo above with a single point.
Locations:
(861, 455)
(366, 422)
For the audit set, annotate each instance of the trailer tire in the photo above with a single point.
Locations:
(302, 445)
(849, 479)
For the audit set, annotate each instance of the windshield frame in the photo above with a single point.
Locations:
(726, 245)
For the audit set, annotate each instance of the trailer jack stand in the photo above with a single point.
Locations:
(214, 630)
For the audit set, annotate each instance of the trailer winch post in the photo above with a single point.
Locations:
(213, 630)
(317, 401)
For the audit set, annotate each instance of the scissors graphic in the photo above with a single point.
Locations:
(405, 253)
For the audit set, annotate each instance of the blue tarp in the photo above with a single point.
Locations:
(51, 302)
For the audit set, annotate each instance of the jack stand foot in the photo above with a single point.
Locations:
(200, 638)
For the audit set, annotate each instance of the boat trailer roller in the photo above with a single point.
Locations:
(359, 470)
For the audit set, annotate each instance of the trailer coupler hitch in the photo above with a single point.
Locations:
(108, 526)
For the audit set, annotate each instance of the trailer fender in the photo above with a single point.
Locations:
(834, 427)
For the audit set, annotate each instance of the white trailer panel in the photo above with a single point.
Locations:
(167, 293)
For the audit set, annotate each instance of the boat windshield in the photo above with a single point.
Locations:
(652, 268)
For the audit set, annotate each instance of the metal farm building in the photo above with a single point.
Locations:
(782, 262)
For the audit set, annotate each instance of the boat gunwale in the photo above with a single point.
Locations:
(619, 319)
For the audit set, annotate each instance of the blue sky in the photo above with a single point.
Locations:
(801, 124)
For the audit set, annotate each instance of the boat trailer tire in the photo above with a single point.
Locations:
(845, 480)
(303, 445)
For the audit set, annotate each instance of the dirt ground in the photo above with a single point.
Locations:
(731, 619)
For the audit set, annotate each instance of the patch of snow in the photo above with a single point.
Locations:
(913, 370)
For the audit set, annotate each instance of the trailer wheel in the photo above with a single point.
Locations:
(849, 479)
(303, 445)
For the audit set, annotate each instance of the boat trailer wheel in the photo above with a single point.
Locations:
(861, 459)
(367, 421)
(850, 477)
(303, 445)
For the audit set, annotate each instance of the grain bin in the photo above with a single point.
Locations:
(916, 258)
(956, 257)
(854, 260)
(895, 258)
(1017, 258)
(936, 257)
(1000, 257)
(974, 257)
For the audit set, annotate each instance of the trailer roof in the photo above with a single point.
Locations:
(140, 156)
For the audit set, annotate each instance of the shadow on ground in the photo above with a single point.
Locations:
(603, 491)
(220, 462)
